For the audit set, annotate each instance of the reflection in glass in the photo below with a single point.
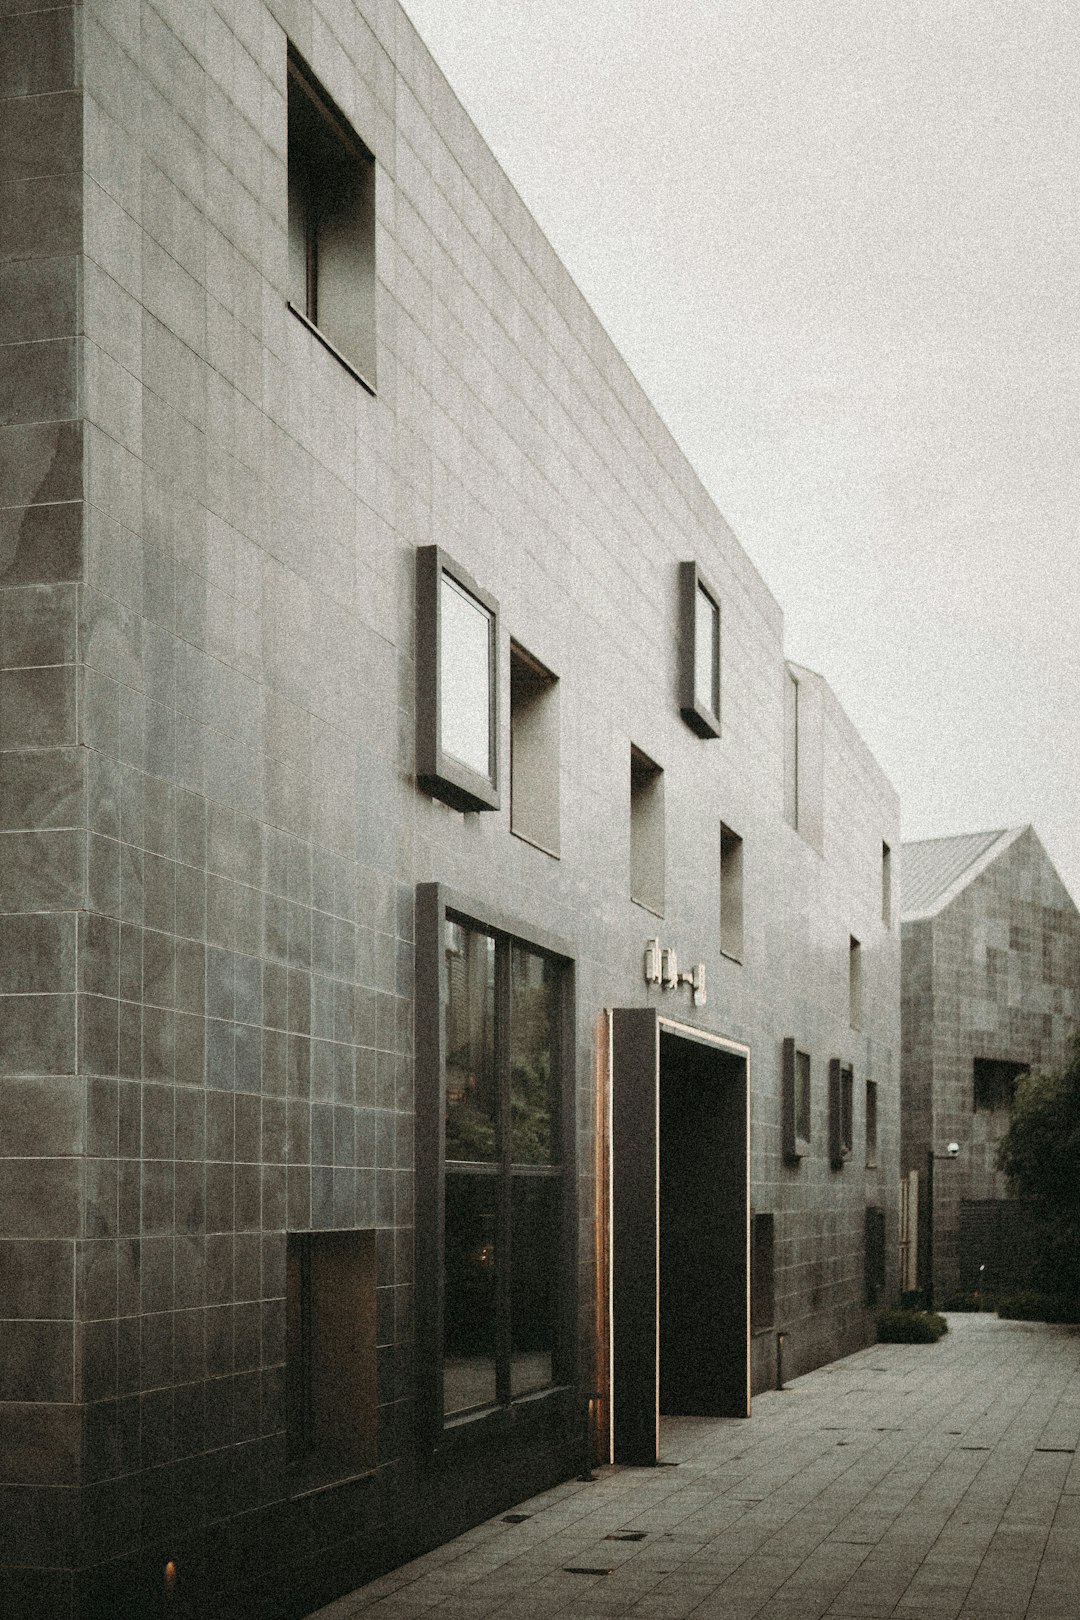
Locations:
(707, 652)
(465, 677)
(533, 1007)
(471, 1091)
(469, 1309)
(534, 1223)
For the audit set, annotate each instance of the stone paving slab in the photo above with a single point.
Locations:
(907, 1482)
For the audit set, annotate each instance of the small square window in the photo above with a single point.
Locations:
(646, 832)
(332, 284)
(457, 700)
(854, 982)
(795, 1093)
(332, 1407)
(700, 655)
(995, 1083)
(871, 1125)
(534, 751)
(731, 894)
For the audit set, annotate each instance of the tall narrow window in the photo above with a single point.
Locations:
(791, 749)
(731, 893)
(795, 1091)
(854, 983)
(874, 1253)
(330, 1355)
(646, 832)
(871, 1125)
(331, 224)
(502, 1277)
(534, 751)
(762, 1274)
(457, 701)
(886, 885)
(847, 1111)
(699, 679)
(841, 1108)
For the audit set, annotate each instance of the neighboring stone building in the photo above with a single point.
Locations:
(377, 683)
(991, 987)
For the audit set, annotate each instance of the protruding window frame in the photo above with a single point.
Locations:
(702, 718)
(437, 772)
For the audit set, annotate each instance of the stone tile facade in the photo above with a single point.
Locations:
(211, 831)
(990, 971)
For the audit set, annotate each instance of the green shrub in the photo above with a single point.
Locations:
(978, 1299)
(1032, 1306)
(910, 1327)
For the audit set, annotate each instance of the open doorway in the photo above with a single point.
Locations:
(679, 1228)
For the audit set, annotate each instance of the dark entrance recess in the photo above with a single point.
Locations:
(680, 1316)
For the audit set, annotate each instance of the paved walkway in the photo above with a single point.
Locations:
(922, 1481)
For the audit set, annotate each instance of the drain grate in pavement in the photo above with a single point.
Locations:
(627, 1535)
(1063, 1451)
(516, 1518)
(584, 1569)
(973, 1448)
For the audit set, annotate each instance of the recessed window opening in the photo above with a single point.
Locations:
(731, 893)
(886, 885)
(762, 1273)
(802, 1098)
(457, 684)
(331, 273)
(854, 983)
(995, 1083)
(791, 749)
(871, 1125)
(646, 832)
(847, 1109)
(503, 1171)
(874, 1253)
(534, 751)
(699, 678)
(330, 1355)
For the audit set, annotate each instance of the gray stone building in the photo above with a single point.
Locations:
(990, 985)
(418, 863)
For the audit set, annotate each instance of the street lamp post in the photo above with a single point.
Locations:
(950, 1152)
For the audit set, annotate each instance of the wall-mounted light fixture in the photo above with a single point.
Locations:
(662, 968)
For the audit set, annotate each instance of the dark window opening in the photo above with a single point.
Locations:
(802, 1097)
(841, 1106)
(502, 1278)
(847, 1105)
(534, 751)
(995, 1082)
(332, 282)
(762, 1273)
(791, 749)
(330, 1356)
(646, 832)
(871, 1125)
(874, 1253)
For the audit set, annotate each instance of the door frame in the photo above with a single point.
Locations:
(634, 1216)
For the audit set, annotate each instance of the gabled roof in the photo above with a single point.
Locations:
(933, 871)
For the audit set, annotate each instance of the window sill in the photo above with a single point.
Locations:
(730, 956)
(332, 348)
(645, 906)
(466, 1428)
(534, 843)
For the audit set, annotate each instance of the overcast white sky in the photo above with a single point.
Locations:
(838, 242)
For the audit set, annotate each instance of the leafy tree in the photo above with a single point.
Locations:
(1040, 1154)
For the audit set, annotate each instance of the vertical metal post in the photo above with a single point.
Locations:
(780, 1337)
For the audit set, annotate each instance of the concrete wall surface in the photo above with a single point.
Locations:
(211, 825)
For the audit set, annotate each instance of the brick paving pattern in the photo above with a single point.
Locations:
(937, 1481)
